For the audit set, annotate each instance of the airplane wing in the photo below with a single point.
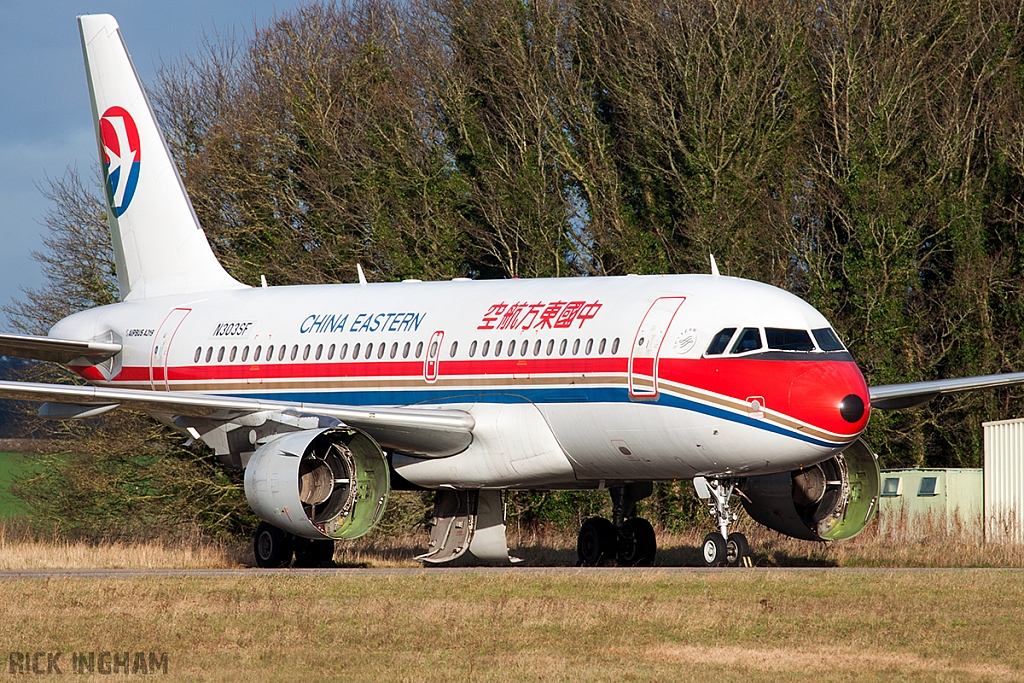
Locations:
(57, 350)
(427, 431)
(900, 396)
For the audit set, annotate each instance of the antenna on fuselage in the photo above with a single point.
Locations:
(714, 266)
(362, 278)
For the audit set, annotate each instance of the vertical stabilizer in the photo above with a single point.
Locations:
(158, 243)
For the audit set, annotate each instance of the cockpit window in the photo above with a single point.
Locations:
(749, 340)
(788, 340)
(827, 339)
(721, 341)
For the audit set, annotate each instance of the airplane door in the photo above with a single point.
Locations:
(643, 357)
(161, 346)
(430, 363)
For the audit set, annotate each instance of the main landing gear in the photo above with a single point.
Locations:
(274, 549)
(626, 540)
(721, 548)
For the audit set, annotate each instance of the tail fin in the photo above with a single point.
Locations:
(158, 243)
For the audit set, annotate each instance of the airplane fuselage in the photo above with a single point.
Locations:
(571, 381)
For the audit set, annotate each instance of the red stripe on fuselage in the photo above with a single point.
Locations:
(809, 390)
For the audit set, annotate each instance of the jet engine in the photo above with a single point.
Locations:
(830, 501)
(319, 483)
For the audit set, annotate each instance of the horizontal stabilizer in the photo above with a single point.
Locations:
(57, 350)
(901, 396)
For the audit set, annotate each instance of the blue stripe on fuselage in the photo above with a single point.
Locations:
(588, 394)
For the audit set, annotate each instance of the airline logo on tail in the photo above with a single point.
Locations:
(122, 154)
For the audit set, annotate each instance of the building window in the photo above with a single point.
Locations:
(891, 487)
(927, 487)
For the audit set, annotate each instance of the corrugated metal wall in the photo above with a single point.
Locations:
(1004, 481)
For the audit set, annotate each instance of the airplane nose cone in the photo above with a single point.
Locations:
(831, 395)
(852, 408)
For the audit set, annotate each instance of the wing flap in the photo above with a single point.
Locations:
(57, 350)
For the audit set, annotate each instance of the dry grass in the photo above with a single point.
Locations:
(23, 550)
(590, 626)
(19, 550)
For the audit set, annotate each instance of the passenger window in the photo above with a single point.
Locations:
(209, 354)
(419, 349)
(405, 350)
(355, 351)
(433, 350)
(600, 348)
(487, 345)
(305, 353)
(281, 351)
(455, 347)
(220, 355)
(511, 348)
(615, 346)
(720, 342)
(749, 340)
(576, 347)
(590, 346)
(827, 339)
(199, 352)
(497, 348)
(536, 348)
(319, 351)
(394, 349)
(561, 347)
(245, 354)
(472, 349)
(788, 340)
(369, 352)
(551, 347)
(380, 349)
(341, 353)
(524, 347)
(234, 352)
(256, 354)
(295, 351)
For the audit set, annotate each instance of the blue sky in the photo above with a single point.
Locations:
(45, 121)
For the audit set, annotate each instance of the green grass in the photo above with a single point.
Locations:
(755, 625)
(13, 466)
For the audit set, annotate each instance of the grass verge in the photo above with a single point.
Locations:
(643, 625)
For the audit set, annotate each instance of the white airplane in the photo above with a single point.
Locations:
(331, 395)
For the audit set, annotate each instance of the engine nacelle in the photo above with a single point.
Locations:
(831, 501)
(319, 483)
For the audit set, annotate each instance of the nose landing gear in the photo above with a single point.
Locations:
(626, 540)
(721, 548)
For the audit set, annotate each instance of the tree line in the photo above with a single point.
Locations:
(866, 155)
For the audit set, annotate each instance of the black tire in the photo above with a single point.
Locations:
(273, 547)
(713, 550)
(637, 543)
(312, 554)
(597, 542)
(736, 548)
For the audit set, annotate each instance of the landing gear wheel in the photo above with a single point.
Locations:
(273, 547)
(736, 549)
(597, 542)
(637, 543)
(313, 554)
(713, 550)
